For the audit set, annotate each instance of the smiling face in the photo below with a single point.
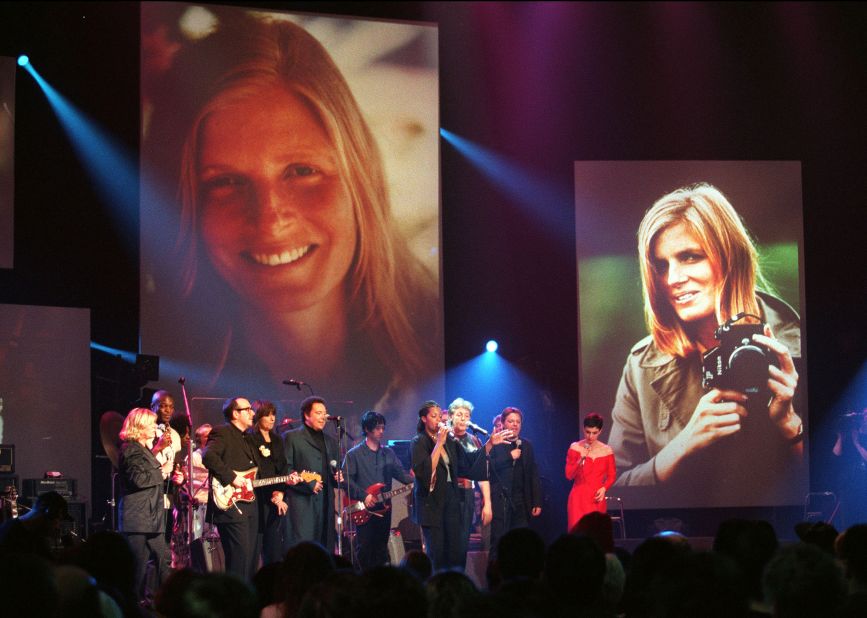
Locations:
(685, 275)
(276, 218)
(317, 417)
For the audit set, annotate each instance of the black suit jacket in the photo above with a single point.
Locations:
(429, 504)
(229, 450)
(502, 477)
(304, 520)
(141, 504)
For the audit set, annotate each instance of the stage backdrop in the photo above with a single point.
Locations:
(290, 226)
(7, 159)
(45, 392)
(752, 468)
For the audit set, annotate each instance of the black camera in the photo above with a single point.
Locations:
(738, 363)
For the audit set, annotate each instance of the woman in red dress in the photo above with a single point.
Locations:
(590, 467)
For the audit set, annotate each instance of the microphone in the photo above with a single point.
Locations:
(296, 383)
(518, 446)
(476, 428)
(182, 380)
(335, 418)
(333, 464)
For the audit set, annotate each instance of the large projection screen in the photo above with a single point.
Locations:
(45, 394)
(290, 223)
(648, 396)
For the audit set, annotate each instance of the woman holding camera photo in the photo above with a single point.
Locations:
(699, 268)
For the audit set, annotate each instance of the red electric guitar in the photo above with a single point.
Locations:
(360, 514)
(226, 496)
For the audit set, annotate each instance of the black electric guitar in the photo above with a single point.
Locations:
(360, 514)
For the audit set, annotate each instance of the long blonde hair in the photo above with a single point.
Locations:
(389, 291)
(732, 254)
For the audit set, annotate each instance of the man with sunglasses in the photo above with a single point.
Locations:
(228, 452)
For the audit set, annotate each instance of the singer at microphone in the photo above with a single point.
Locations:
(516, 494)
(310, 516)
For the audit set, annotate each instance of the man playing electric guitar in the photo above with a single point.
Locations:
(370, 466)
(229, 449)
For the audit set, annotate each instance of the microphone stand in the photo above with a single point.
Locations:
(189, 514)
(341, 443)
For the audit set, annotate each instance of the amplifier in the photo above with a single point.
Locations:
(7, 457)
(9, 480)
(33, 488)
(401, 448)
(78, 512)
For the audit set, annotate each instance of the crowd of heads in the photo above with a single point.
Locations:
(747, 572)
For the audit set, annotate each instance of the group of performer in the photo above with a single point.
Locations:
(265, 492)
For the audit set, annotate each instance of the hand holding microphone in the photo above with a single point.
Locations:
(516, 452)
(338, 474)
(444, 430)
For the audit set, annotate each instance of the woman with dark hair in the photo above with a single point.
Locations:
(272, 463)
(590, 467)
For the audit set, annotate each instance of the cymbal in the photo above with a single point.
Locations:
(110, 424)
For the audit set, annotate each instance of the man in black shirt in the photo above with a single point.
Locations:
(229, 452)
(370, 467)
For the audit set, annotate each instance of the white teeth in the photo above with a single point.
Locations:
(685, 298)
(280, 259)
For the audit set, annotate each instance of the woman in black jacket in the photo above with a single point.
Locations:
(142, 502)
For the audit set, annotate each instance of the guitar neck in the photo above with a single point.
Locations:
(395, 492)
(270, 481)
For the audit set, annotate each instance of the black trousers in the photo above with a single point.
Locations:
(468, 511)
(271, 544)
(144, 547)
(506, 516)
(373, 541)
(443, 542)
(239, 540)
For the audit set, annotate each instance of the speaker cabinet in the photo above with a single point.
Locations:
(7, 458)
(33, 488)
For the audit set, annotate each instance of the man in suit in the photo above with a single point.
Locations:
(310, 516)
(228, 452)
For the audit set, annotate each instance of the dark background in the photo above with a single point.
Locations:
(543, 84)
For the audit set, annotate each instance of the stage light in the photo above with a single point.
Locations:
(23, 60)
(492, 346)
